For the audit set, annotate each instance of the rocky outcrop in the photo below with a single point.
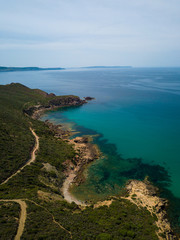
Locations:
(58, 130)
(81, 140)
(53, 102)
(89, 98)
(86, 153)
(144, 194)
(66, 101)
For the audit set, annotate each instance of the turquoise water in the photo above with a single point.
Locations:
(136, 116)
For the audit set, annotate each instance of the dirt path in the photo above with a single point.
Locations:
(21, 202)
(22, 218)
(32, 159)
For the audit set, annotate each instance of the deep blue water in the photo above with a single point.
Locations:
(136, 116)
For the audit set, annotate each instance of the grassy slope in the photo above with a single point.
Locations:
(121, 220)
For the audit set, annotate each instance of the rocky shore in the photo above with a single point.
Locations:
(58, 130)
(86, 153)
(144, 194)
(53, 102)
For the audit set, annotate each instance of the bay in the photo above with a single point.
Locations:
(135, 117)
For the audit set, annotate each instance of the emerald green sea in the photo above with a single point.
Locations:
(135, 121)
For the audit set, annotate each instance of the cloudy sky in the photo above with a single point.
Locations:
(72, 33)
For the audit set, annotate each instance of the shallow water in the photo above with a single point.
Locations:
(136, 115)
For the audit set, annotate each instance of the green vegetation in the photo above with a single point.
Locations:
(48, 215)
(122, 220)
(9, 214)
(16, 140)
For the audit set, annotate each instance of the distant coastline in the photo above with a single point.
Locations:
(108, 67)
(15, 69)
(23, 69)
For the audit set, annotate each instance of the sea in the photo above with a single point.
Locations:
(134, 120)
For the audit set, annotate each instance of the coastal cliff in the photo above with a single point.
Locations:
(52, 102)
(144, 194)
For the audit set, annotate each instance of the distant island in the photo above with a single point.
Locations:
(108, 67)
(14, 69)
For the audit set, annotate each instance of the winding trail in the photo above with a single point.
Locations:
(31, 160)
(22, 218)
(22, 202)
(23, 206)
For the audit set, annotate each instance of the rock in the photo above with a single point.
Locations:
(89, 98)
(56, 129)
(66, 101)
(81, 140)
(144, 194)
(54, 102)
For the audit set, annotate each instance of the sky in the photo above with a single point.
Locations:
(74, 33)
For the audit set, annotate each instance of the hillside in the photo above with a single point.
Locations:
(36, 189)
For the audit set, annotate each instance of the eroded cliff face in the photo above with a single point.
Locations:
(143, 194)
(53, 102)
(66, 101)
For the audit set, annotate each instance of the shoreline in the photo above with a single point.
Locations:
(144, 195)
(86, 152)
(67, 194)
(52, 102)
(144, 192)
